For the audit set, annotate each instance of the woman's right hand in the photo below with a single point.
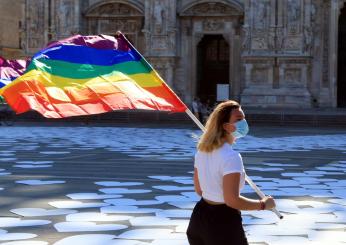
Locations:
(268, 202)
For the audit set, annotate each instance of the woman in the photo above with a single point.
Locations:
(218, 177)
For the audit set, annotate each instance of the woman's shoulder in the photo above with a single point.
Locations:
(229, 153)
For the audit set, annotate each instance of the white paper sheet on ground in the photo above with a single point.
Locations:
(173, 188)
(92, 239)
(340, 216)
(184, 181)
(35, 162)
(339, 193)
(287, 240)
(191, 195)
(341, 183)
(338, 201)
(264, 169)
(183, 205)
(16, 236)
(170, 242)
(14, 222)
(173, 198)
(36, 212)
(281, 164)
(54, 152)
(156, 221)
(8, 159)
(327, 237)
(5, 173)
(97, 239)
(77, 204)
(132, 202)
(40, 182)
(174, 213)
(286, 183)
(127, 210)
(6, 154)
(168, 178)
(270, 230)
(86, 226)
(32, 166)
(25, 243)
(95, 217)
(329, 226)
(316, 186)
(295, 174)
(146, 234)
(123, 191)
(116, 183)
(91, 196)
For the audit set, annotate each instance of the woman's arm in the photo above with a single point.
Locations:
(196, 182)
(232, 196)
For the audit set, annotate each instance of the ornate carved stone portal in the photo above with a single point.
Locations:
(209, 29)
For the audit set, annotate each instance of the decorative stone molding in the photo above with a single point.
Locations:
(115, 9)
(211, 9)
(111, 16)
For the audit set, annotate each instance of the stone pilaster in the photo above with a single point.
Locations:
(160, 32)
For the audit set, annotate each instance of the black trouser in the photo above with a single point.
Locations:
(215, 225)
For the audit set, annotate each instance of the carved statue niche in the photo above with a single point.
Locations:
(64, 18)
(159, 16)
(246, 38)
(293, 16)
(260, 14)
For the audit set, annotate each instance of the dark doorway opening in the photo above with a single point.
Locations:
(341, 84)
(212, 66)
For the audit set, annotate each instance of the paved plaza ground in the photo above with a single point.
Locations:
(133, 185)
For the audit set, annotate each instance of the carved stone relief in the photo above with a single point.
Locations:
(113, 10)
(213, 24)
(211, 9)
(293, 77)
(259, 43)
(259, 76)
(246, 37)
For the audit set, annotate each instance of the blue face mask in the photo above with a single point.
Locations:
(242, 128)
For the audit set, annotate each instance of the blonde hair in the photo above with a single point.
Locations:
(214, 134)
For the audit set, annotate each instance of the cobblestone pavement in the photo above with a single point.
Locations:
(125, 186)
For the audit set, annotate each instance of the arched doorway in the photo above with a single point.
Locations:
(212, 66)
(341, 84)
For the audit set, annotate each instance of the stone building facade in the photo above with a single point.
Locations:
(270, 53)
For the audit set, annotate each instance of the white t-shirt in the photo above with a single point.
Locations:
(212, 166)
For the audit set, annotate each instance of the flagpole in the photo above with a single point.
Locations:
(247, 178)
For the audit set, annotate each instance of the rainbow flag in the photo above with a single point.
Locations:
(11, 69)
(85, 75)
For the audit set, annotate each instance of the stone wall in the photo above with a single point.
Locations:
(11, 28)
(283, 53)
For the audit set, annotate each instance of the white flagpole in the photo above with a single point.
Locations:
(247, 178)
